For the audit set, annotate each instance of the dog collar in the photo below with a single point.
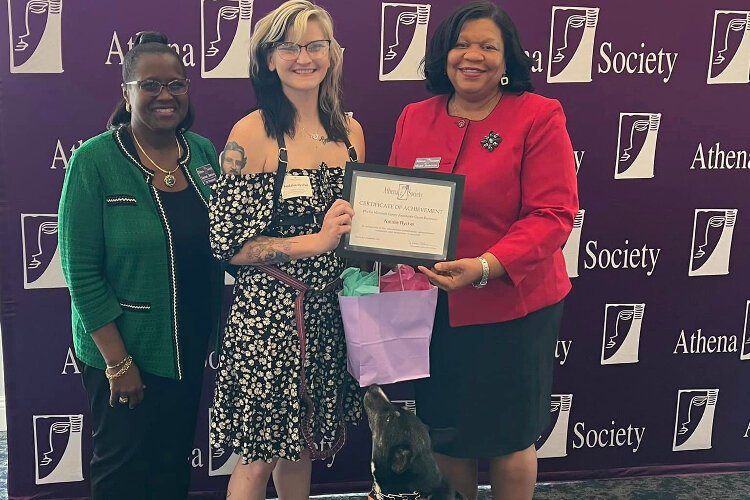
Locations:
(377, 494)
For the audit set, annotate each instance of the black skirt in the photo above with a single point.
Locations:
(489, 388)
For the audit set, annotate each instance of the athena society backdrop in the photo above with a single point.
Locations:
(654, 354)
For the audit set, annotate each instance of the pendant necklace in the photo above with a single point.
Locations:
(169, 178)
(318, 137)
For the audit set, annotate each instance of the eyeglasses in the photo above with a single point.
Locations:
(290, 51)
(153, 88)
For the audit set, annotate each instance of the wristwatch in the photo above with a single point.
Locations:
(485, 273)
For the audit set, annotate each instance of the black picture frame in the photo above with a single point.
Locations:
(456, 182)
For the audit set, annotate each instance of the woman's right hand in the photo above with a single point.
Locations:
(129, 386)
(336, 223)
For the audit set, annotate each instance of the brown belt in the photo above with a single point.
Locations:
(316, 452)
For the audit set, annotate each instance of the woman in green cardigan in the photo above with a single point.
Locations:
(133, 228)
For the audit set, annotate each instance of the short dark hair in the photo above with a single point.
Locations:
(147, 42)
(518, 64)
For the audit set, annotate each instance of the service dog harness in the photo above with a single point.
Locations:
(377, 494)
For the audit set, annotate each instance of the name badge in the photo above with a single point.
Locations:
(296, 186)
(207, 174)
(433, 162)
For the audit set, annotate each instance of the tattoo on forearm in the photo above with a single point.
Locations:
(263, 250)
(233, 158)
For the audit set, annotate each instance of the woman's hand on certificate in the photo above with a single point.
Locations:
(454, 274)
(336, 223)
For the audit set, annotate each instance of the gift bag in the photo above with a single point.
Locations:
(388, 334)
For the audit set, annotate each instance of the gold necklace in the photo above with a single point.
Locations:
(317, 137)
(169, 179)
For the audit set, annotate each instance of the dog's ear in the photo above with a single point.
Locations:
(401, 458)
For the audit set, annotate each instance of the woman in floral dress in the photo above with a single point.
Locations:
(283, 394)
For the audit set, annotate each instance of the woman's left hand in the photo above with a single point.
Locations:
(454, 274)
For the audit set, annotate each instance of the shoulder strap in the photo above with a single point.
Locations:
(350, 149)
(280, 171)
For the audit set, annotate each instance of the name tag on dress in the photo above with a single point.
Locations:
(207, 174)
(296, 186)
(433, 162)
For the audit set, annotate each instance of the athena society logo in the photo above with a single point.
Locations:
(712, 241)
(35, 28)
(555, 444)
(694, 423)
(622, 333)
(745, 351)
(225, 38)
(636, 145)
(406, 404)
(57, 446)
(573, 245)
(41, 256)
(730, 47)
(403, 40)
(571, 44)
(221, 460)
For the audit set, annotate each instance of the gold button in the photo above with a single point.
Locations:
(461, 123)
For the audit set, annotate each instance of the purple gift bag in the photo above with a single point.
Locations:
(388, 335)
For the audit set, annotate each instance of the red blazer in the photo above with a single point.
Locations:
(519, 201)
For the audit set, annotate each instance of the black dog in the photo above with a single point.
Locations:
(402, 461)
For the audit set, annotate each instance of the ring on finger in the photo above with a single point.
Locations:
(123, 399)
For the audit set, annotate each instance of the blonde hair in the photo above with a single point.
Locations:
(292, 17)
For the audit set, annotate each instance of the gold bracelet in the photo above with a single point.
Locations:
(122, 371)
(118, 365)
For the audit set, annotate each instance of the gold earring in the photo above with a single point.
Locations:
(127, 106)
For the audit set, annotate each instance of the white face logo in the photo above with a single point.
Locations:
(636, 145)
(745, 350)
(572, 247)
(221, 460)
(58, 451)
(42, 268)
(712, 241)
(35, 36)
(225, 38)
(571, 44)
(695, 419)
(555, 443)
(403, 40)
(622, 333)
(730, 48)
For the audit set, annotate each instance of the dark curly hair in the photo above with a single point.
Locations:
(517, 63)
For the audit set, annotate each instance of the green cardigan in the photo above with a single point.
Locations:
(116, 249)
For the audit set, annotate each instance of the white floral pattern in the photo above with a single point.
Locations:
(257, 411)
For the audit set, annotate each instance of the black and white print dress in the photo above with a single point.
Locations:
(258, 408)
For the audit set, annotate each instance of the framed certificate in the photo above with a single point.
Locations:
(400, 215)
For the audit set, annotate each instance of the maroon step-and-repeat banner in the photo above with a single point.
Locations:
(654, 355)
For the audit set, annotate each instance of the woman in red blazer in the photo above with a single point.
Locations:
(499, 310)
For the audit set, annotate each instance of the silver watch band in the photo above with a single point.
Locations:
(485, 273)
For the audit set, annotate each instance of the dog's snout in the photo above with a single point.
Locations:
(375, 396)
(375, 391)
(376, 402)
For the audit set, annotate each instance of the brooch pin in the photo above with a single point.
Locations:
(491, 141)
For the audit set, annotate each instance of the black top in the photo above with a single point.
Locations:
(188, 220)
